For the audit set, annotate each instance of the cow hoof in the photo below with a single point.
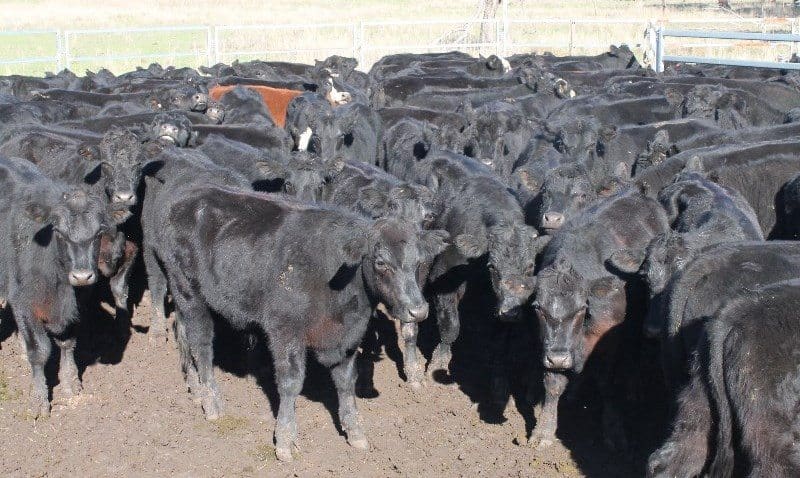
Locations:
(72, 387)
(284, 454)
(416, 385)
(211, 408)
(357, 439)
(541, 442)
(38, 407)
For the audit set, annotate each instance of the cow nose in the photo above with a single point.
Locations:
(558, 361)
(418, 313)
(552, 220)
(123, 197)
(79, 277)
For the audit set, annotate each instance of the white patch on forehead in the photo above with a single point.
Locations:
(305, 138)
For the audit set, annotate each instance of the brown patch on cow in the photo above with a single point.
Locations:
(42, 309)
(130, 250)
(104, 257)
(323, 332)
(276, 99)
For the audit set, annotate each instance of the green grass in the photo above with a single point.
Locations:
(301, 44)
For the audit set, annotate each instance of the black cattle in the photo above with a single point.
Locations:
(50, 243)
(451, 128)
(734, 418)
(695, 293)
(265, 172)
(173, 171)
(371, 191)
(488, 227)
(584, 309)
(565, 192)
(37, 112)
(321, 302)
(616, 58)
(311, 123)
(275, 142)
(701, 213)
(243, 106)
(788, 210)
(361, 129)
(500, 134)
(618, 111)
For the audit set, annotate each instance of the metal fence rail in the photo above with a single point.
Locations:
(661, 57)
(369, 40)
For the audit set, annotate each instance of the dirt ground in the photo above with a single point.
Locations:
(135, 417)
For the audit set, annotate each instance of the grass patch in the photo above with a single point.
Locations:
(227, 425)
(264, 453)
(6, 393)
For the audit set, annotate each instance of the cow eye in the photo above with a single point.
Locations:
(381, 265)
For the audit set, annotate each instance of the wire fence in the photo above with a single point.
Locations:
(34, 52)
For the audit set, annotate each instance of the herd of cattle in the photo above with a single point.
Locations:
(606, 205)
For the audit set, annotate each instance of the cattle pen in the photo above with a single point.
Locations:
(120, 49)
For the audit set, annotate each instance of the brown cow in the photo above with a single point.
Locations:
(276, 99)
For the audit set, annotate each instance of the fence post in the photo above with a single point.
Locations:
(355, 41)
(659, 49)
(361, 46)
(210, 46)
(571, 36)
(67, 59)
(217, 57)
(59, 51)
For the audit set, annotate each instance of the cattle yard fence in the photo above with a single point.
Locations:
(33, 52)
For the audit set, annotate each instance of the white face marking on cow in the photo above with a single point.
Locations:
(572, 93)
(305, 137)
(506, 64)
(336, 97)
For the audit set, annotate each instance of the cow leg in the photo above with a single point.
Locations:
(500, 341)
(187, 363)
(67, 369)
(198, 331)
(289, 357)
(449, 326)
(119, 283)
(412, 366)
(37, 345)
(544, 435)
(344, 377)
(685, 452)
(157, 283)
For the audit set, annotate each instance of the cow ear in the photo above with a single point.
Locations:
(674, 97)
(603, 287)
(271, 169)
(374, 201)
(434, 242)
(626, 261)
(38, 213)
(89, 152)
(471, 245)
(540, 243)
(354, 249)
(529, 181)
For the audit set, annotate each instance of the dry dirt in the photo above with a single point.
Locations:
(135, 417)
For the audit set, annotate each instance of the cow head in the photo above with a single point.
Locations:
(566, 191)
(304, 177)
(574, 314)
(666, 254)
(500, 134)
(75, 220)
(215, 112)
(185, 98)
(512, 251)
(311, 123)
(172, 128)
(391, 255)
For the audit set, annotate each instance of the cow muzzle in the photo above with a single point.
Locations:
(552, 221)
(558, 360)
(82, 277)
